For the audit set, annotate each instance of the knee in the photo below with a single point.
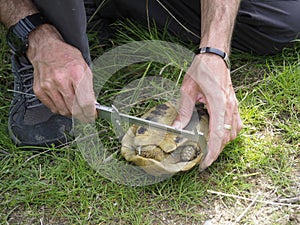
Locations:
(267, 27)
(293, 22)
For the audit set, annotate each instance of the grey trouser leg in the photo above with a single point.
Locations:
(69, 17)
(267, 27)
(187, 12)
(264, 27)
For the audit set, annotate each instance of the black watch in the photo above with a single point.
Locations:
(17, 35)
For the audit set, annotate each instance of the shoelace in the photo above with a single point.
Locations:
(26, 75)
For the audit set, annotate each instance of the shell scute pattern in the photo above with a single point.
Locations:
(159, 152)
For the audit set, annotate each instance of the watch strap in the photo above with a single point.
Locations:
(215, 51)
(28, 24)
(22, 30)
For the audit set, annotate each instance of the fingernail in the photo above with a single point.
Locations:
(203, 164)
(177, 125)
(202, 168)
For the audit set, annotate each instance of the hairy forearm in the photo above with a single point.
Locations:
(217, 23)
(13, 10)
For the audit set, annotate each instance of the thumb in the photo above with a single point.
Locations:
(185, 111)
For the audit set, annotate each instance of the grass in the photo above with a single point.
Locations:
(57, 186)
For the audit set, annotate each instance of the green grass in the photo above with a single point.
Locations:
(57, 186)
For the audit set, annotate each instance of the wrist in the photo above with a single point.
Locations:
(42, 33)
(17, 35)
(221, 45)
(216, 52)
(41, 37)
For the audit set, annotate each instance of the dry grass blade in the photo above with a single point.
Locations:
(249, 199)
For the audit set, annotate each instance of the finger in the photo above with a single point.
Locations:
(84, 104)
(185, 111)
(59, 102)
(188, 97)
(47, 98)
(216, 131)
(240, 123)
(53, 93)
(68, 95)
(214, 149)
(48, 102)
(237, 123)
(78, 113)
(212, 154)
(230, 117)
(84, 110)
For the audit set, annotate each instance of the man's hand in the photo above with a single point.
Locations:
(208, 81)
(62, 79)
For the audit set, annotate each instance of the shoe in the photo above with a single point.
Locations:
(30, 122)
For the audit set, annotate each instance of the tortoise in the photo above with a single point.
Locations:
(161, 153)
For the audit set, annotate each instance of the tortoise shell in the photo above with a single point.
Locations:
(159, 152)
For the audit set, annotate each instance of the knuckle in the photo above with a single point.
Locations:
(77, 70)
(45, 86)
(37, 91)
(55, 111)
(64, 112)
(233, 135)
(240, 127)
(211, 157)
(183, 90)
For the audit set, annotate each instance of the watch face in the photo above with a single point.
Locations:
(17, 35)
(15, 42)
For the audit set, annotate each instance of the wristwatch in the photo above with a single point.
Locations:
(17, 35)
(215, 51)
